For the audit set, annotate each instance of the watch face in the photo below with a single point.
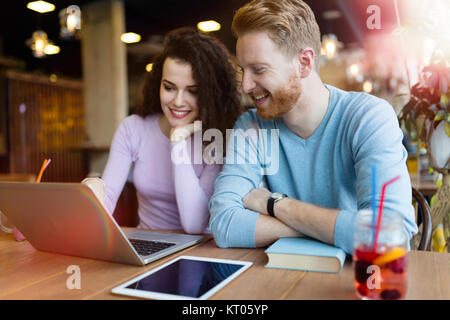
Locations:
(276, 195)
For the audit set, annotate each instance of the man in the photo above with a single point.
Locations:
(328, 141)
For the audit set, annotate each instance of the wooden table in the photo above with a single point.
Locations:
(29, 274)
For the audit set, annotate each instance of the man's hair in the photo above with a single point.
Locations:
(218, 97)
(290, 24)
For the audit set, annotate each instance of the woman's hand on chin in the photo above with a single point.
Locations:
(184, 132)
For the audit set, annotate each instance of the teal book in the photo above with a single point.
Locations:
(305, 254)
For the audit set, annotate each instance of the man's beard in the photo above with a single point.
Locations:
(282, 99)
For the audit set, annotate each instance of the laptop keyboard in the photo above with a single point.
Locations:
(146, 247)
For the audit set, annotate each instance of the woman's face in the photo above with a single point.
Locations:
(178, 93)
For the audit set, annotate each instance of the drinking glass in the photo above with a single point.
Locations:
(4, 225)
(7, 228)
(381, 271)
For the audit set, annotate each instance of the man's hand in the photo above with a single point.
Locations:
(256, 200)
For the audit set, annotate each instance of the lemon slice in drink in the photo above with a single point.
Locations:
(394, 254)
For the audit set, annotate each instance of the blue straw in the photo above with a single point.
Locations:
(374, 198)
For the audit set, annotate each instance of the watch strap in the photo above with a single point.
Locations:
(271, 203)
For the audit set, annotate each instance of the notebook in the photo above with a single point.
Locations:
(305, 254)
(67, 218)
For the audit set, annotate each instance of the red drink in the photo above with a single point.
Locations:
(380, 275)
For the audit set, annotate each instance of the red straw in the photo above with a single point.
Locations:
(380, 211)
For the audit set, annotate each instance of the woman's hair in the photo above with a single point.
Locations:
(289, 23)
(218, 97)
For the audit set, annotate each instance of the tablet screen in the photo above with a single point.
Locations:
(186, 277)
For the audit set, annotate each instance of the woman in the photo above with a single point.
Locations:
(191, 80)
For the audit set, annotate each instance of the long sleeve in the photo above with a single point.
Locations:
(121, 155)
(331, 169)
(231, 224)
(375, 138)
(192, 191)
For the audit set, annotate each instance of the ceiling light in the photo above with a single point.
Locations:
(367, 86)
(37, 43)
(130, 37)
(331, 45)
(51, 49)
(208, 26)
(330, 48)
(331, 14)
(41, 45)
(354, 70)
(41, 6)
(149, 67)
(70, 21)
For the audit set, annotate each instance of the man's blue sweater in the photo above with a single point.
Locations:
(331, 168)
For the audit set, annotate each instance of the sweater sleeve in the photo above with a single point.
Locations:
(192, 191)
(122, 153)
(375, 138)
(231, 224)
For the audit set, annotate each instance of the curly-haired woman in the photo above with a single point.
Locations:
(192, 79)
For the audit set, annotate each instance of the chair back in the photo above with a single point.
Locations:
(424, 219)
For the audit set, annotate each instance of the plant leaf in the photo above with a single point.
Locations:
(445, 99)
(447, 128)
(433, 82)
(440, 116)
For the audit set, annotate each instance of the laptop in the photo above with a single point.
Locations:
(67, 218)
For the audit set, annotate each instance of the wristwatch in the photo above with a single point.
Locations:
(274, 197)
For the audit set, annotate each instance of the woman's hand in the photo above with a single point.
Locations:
(97, 185)
(184, 132)
(256, 200)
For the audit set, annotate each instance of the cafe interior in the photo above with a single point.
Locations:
(71, 71)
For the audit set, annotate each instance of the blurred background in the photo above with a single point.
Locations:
(71, 71)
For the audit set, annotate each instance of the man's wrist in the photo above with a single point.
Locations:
(272, 200)
(279, 206)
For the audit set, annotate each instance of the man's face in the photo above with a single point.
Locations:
(269, 77)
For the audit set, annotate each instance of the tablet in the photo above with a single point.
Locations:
(185, 277)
